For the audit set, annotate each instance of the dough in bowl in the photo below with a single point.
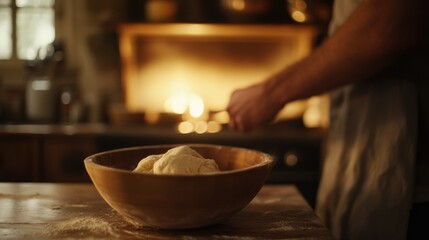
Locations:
(181, 160)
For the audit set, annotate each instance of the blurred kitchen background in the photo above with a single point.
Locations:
(84, 76)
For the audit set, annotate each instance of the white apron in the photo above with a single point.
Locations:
(367, 180)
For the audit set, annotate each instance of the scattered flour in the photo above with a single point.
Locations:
(82, 227)
(222, 237)
(281, 226)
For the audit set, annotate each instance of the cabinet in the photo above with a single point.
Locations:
(63, 158)
(45, 153)
(19, 158)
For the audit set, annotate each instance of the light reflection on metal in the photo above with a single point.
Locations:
(201, 127)
(213, 127)
(290, 159)
(185, 127)
(298, 10)
(298, 16)
(41, 85)
(65, 98)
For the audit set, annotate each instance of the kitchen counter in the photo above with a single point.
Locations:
(55, 152)
(282, 131)
(77, 211)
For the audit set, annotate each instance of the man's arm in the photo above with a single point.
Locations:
(376, 35)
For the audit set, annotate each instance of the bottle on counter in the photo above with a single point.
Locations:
(39, 95)
(41, 87)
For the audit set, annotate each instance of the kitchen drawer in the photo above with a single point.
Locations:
(19, 158)
(63, 158)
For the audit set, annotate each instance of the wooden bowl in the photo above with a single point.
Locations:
(179, 201)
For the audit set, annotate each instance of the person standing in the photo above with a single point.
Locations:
(375, 64)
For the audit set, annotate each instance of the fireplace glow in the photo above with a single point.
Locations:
(192, 69)
(196, 106)
(182, 103)
(177, 103)
(191, 106)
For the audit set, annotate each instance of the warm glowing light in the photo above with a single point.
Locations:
(180, 102)
(221, 117)
(238, 4)
(213, 127)
(301, 5)
(151, 118)
(201, 127)
(196, 106)
(160, 10)
(177, 103)
(185, 127)
(160, 74)
(316, 113)
(312, 117)
(290, 159)
(299, 16)
(196, 29)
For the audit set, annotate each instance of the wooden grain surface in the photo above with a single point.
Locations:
(76, 211)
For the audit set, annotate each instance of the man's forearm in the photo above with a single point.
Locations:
(375, 36)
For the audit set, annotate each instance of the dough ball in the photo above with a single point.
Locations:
(183, 150)
(181, 160)
(184, 164)
(146, 164)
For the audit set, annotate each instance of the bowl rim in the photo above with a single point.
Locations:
(269, 160)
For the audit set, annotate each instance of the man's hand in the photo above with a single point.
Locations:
(251, 107)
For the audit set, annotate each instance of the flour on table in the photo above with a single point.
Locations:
(84, 227)
(181, 160)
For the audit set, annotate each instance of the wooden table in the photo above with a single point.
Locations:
(76, 211)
